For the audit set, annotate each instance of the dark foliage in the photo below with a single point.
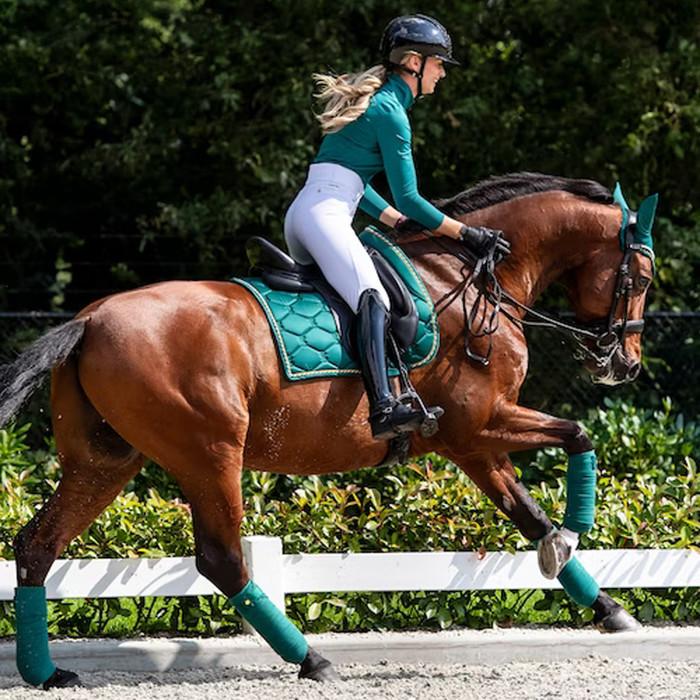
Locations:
(144, 140)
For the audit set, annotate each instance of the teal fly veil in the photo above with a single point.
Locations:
(620, 200)
(645, 221)
(641, 233)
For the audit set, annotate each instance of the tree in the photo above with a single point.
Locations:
(144, 140)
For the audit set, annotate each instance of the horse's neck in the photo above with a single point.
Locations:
(550, 233)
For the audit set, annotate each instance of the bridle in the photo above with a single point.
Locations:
(600, 340)
(609, 336)
(597, 341)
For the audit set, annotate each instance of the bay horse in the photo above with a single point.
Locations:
(187, 374)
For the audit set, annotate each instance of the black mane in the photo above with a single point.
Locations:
(500, 188)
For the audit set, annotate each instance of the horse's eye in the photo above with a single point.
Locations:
(643, 283)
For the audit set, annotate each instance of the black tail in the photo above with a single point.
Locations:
(21, 378)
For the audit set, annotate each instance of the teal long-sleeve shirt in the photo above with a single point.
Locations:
(380, 139)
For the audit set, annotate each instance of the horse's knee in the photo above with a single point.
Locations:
(223, 567)
(577, 441)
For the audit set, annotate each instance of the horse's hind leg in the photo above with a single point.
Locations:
(214, 494)
(495, 476)
(96, 464)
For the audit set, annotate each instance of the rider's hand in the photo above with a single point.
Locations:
(481, 239)
(406, 226)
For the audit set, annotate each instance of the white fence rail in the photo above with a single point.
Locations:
(279, 574)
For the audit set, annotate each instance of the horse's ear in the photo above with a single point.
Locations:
(619, 198)
(620, 201)
(645, 219)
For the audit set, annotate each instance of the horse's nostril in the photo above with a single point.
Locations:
(633, 371)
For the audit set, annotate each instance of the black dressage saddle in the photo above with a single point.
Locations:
(279, 271)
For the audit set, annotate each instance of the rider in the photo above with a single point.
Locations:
(366, 130)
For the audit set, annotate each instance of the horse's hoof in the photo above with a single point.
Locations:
(317, 668)
(554, 552)
(61, 679)
(619, 620)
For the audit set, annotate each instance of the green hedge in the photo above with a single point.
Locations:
(648, 497)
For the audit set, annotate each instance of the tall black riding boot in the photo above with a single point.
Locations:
(387, 416)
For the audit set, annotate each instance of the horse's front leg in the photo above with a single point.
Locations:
(495, 476)
(517, 428)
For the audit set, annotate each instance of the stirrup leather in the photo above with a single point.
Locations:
(429, 414)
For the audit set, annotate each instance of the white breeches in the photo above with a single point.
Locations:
(318, 228)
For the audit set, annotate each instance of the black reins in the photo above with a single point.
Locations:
(606, 335)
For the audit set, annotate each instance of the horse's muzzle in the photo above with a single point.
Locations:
(619, 369)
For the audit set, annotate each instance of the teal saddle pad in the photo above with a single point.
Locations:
(305, 331)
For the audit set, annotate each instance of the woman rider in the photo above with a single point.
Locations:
(367, 130)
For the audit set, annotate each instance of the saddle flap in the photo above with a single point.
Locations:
(404, 313)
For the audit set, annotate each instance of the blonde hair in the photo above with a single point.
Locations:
(347, 96)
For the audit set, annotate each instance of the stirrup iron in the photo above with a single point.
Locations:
(430, 415)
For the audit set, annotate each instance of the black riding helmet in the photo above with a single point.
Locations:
(419, 33)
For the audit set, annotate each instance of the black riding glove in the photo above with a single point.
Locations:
(407, 226)
(480, 239)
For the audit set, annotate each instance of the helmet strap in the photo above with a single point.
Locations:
(417, 74)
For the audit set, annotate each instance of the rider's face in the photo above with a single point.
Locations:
(434, 71)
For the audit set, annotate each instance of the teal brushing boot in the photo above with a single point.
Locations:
(33, 658)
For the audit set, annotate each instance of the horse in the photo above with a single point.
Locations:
(186, 373)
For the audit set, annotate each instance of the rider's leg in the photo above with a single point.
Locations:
(387, 417)
(318, 227)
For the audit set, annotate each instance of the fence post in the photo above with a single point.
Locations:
(263, 559)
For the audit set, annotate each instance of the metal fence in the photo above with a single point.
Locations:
(556, 383)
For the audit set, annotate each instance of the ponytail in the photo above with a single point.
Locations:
(347, 96)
